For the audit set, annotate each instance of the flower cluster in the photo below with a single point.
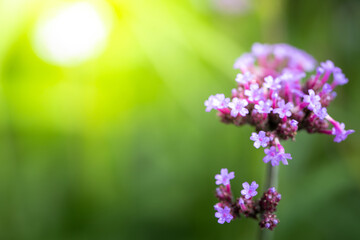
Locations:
(228, 208)
(276, 94)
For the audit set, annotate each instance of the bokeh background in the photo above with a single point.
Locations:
(103, 133)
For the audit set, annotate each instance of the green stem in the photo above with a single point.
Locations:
(271, 181)
(272, 177)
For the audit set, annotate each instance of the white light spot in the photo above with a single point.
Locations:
(70, 34)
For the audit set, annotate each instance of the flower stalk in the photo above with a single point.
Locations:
(272, 178)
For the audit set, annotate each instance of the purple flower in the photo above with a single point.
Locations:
(234, 92)
(339, 78)
(242, 204)
(291, 79)
(283, 157)
(340, 132)
(209, 104)
(320, 70)
(264, 107)
(290, 76)
(232, 7)
(284, 109)
(220, 101)
(271, 83)
(274, 156)
(333, 95)
(296, 57)
(217, 207)
(224, 177)
(294, 123)
(306, 61)
(254, 93)
(312, 99)
(271, 156)
(321, 112)
(328, 65)
(244, 78)
(260, 139)
(259, 49)
(249, 191)
(297, 92)
(326, 88)
(219, 194)
(282, 50)
(238, 107)
(223, 214)
(244, 61)
(216, 102)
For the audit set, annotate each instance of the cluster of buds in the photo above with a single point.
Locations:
(229, 208)
(276, 94)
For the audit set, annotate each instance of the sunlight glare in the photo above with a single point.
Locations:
(71, 34)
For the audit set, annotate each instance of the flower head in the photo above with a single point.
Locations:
(224, 177)
(278, 96)
(260, 139)
(223, 214)
(249, 191)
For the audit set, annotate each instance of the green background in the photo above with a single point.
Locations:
(120, 147)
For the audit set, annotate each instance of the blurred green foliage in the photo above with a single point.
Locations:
(120, 147)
